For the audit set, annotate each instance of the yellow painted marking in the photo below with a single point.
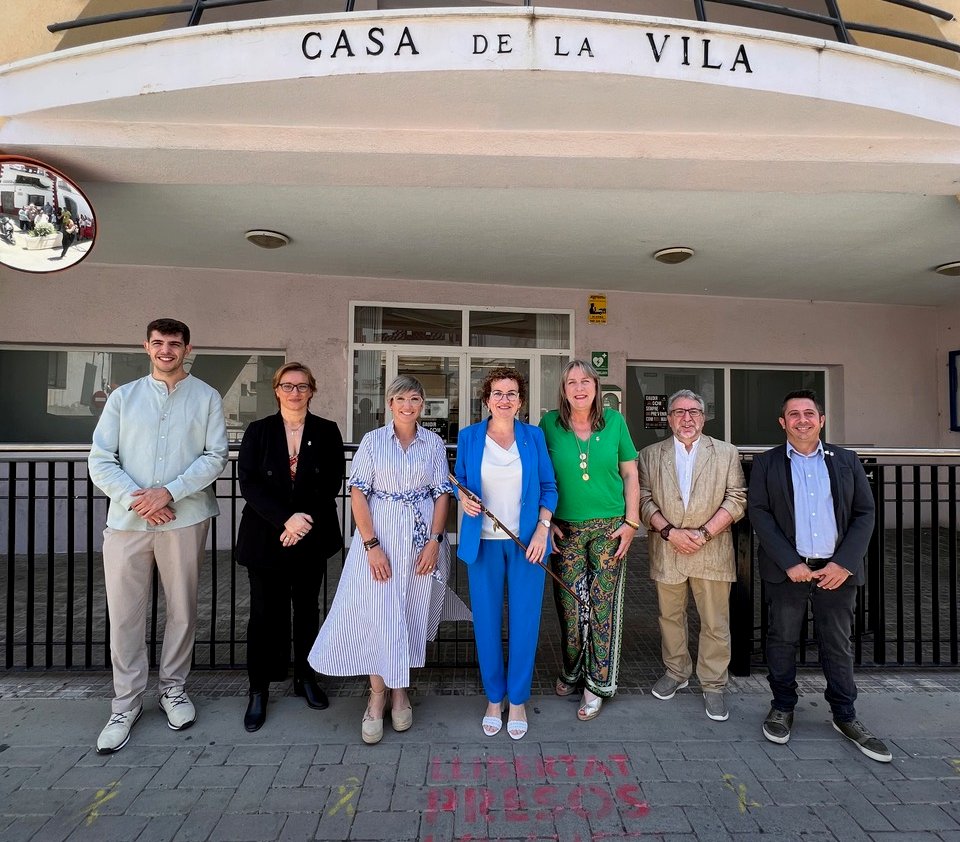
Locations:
(346, 793)
(956, 765)
(740, 790)
(102, 797)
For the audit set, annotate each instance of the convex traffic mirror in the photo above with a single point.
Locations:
(46, 222)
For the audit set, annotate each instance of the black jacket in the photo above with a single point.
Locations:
(771, 511)
(271, 498)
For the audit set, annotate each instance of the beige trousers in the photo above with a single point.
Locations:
(713, 605)
(128, 561)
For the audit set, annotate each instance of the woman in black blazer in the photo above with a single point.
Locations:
(291, 469)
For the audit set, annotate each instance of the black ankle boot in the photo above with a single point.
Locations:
(256, 713)
(314, 695)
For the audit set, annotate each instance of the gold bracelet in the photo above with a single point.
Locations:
(631, 524)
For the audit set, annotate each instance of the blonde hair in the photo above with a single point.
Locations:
(294, 366)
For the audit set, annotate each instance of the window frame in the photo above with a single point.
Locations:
(727, 368)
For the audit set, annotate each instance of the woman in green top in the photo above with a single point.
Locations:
(596, 518)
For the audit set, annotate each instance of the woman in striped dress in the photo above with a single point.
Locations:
(392, 593)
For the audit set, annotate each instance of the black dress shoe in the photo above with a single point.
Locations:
(308, 688)
(256, 713)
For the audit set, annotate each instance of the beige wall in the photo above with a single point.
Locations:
(889, 377)
(898, 17)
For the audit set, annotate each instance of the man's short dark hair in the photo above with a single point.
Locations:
(169, 327)
(803, 394)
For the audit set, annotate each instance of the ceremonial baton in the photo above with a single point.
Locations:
(499, 525)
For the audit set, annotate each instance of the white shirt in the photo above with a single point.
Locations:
(685, 462)
(501, 481)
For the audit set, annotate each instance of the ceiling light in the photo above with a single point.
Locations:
(952, 269)
(677, 254)
(267, 239)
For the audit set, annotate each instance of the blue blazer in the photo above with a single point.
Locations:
(539, 483)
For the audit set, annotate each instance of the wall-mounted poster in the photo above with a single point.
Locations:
(597, 313)
(655, 412)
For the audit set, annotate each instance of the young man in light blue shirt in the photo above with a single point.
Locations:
(157, 450)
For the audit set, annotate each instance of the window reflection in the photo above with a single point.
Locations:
(60, 394)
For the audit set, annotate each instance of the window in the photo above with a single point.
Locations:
(450, 350)
(57, 370)
(742, 404)
(503, 329)
(59, 394)
(407, 325)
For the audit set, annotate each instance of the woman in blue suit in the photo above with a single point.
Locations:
(505, 463)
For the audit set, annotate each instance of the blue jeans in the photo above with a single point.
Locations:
(833, 625)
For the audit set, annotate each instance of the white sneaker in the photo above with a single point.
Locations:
(116, 732)
(176, 704)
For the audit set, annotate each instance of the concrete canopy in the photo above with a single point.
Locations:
(796, 168)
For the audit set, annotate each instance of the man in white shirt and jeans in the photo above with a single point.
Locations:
(157, 450)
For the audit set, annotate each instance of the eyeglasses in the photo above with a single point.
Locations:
(291, 387)
(510, 396)
(693, 413)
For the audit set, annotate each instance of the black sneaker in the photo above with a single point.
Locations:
(860, 735)
(777, 725)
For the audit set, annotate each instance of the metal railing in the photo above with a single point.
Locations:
(907, 611)
(52, 595)
(830, 17)
(53, 603)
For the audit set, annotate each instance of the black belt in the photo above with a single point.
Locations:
(817, 563)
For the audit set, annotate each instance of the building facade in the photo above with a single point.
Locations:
(461, 186)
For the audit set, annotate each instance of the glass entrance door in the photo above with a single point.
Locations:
(480, 366)
(440, 376)
(451, 383)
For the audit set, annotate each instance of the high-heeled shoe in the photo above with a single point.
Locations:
(401, 718)
(311, 691)
(256, 713)
(589, 709)
(561, 688)
(371, 729)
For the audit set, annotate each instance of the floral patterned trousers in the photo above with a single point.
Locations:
(585, 561)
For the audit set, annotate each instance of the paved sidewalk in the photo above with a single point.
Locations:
(643, 768)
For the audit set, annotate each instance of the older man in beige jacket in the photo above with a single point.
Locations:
(691, 490)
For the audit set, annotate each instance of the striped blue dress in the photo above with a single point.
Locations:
(382, 628)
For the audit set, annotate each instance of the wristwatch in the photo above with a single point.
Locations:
(545, 522)
(665, 532)
(438, 537)
(705, 534)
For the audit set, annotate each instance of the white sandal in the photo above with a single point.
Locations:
(493, 723)
(517, 728)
